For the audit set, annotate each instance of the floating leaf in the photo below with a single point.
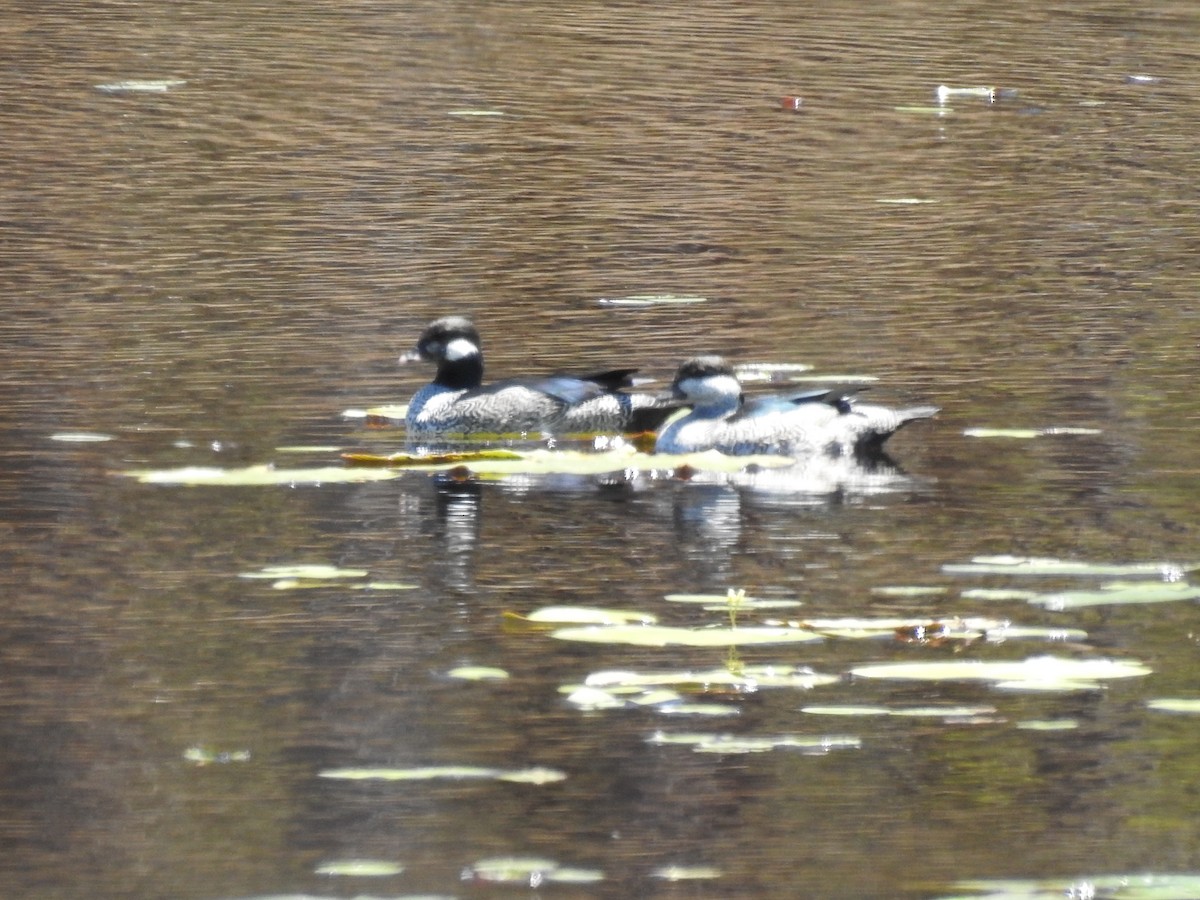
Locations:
(1036, 673)
(1175, 704)
(747, 678)
(203, 756)
(1026, 433)
(908, 591)
(530, 870)
(1099, 887)
(666, 636)
(595, 699)
(700, 709)
(732, 743)
(478, 673)
(362, 868)
(585, 615)
(1033, 565)
(535, 775)
(686, 873)
(572, 462)
(997, 594)
(721, 602)
(306, 572)
(1048, 725)
(140, 85)
(651, 300)
(452, 773)
(1119, 593)
(314, 448)
(255, 476)
(935, 712)
(80, 437)
(946, 629)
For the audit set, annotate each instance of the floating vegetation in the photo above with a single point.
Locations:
(617, 689)
(1040, 673)
(360, 868)
(667, 636)
(997, 594)
(1048, 725)
(81, 437)
(987, 94)
(585, 615)
(307, 577)
(202, 756)
(622, 458)
(1099, 887)
(732, 743)
(305, 572)
(535, 775)
(1026, 433)
(478, 673)
(533, 871)
(721, 602)
(908, 591)
(746, 679)
(142, 85)
(651, 300)
(395, 411)
(913, 630)
(1034, 565)
(1175, 704)
(968, 714)
(686, 873)
(1120, 592)
(256, 476)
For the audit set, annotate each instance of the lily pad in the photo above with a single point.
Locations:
(1026, 433)
(1099, 887)
(1048, 725)
(1033, 565)
(584, 615)
(731, 743)
(723, 602)
(915, 590)
(686, 873)
(80, 437)
(202, 756)
(478, 673)
(931, 712)
(362, 868)
(747, 678)
(1175, 704)
(257, 476)
(306, 572)
(140, 85)
(450, 773)
(532, 871)
(622, 458)
(997, 594)
(1047, 673)
(667, 636)
(1119, 593)
(652, 300)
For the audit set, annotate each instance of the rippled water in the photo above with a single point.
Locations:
(211, 271)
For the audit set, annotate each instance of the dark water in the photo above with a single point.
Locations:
(213, 271)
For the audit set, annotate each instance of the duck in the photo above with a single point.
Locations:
(457, 402)
(826, 421)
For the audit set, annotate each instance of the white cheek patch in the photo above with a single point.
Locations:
(706, 390)
(461, 348)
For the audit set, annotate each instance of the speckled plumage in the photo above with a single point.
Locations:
(458, 403)
(814, 422)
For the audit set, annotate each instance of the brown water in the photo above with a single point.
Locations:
(213, 271)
